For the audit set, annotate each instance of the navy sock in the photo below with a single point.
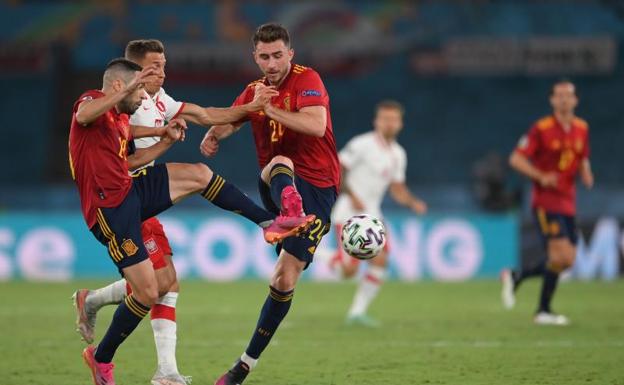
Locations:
(126, 318)
(548, 290)
(528, 272)
(273, 312)
(228, 197)
(280, 177)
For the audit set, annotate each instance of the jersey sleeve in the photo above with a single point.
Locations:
(398, 175)
(172, 106)
(528, 143)
(311, 90)
(352, 153)
(244, 98)
(88, 95)
(587, 148)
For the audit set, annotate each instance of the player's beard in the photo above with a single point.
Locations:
(128, 107)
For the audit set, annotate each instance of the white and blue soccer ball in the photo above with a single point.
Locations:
(363, 236)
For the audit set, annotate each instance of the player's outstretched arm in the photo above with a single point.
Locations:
(171, 133)
(523, 165)
(89, 110)
(208, 116)
(403, 196)
(145, 132)
(210, 144)
(310, 120)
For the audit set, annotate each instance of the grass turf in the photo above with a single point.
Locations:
(433, 333)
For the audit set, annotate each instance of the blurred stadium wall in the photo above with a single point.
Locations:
(473, 76)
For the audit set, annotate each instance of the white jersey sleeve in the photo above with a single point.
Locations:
(353, 152)
(172, 107)
(398, 174)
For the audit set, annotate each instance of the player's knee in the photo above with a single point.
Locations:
(349, 270)
(283, 282)
(280, 159)
(147, 295)
(201, 174)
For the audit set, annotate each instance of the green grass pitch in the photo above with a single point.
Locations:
(434, 333)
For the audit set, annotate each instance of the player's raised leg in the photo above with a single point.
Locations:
(188, 179)
(279, 175)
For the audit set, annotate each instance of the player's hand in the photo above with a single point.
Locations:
(419, 207)
(587, 178)
(548, 179)
(209, 145)
(175, 130)
(140, 78)
(262, 96)
(356, 203)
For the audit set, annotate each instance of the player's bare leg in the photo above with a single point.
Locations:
(281, 290)
(561, 255)
(367, 291)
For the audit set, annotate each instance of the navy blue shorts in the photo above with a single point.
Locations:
(553, 225)
(316, 200)
(119, 228)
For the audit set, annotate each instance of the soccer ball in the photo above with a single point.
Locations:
(363, 236)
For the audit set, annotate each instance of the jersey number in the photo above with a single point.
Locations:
(277, 131)
(317, 231)
(123, 148)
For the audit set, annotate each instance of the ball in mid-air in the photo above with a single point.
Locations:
(363, 236)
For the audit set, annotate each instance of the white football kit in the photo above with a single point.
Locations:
(372, 164)
(155, 112)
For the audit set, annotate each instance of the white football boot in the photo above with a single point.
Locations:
(544, 318)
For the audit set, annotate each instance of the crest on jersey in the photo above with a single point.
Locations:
(151, 246)
(129, 247)
(287, 103)
(579, 145)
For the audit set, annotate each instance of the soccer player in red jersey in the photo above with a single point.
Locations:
(157, 108)
(553, 153)
(300, 171)
(114, 204)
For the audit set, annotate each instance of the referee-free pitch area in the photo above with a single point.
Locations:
(433, 333)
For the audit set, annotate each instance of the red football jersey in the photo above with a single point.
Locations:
(315, 159)
(98, 159)
(551, 149)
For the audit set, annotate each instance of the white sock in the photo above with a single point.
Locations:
(367, 290)
(251, 362)
(165, 334)
(111, 294)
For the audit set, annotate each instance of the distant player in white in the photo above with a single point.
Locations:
(156, 110)
(371, 164)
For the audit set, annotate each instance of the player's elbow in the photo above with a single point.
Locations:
(81, 118)
(318, 131)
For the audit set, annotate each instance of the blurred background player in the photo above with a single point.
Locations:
(157, 109)
(552, 154)
(371, 164)
(300, 171)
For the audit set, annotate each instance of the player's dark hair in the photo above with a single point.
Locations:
(389, 104)
(270, 32)
(123, 64)
(559, 82)
(119, 67)
(137, 49)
